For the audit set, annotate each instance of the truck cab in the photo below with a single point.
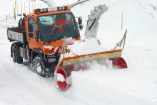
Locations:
(41, 28)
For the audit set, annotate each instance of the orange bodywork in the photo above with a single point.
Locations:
(32, 41)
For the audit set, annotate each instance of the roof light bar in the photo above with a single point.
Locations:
(43, 10)
(61, 8)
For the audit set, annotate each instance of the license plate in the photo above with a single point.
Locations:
(52, 60)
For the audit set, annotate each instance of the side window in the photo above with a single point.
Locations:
(35, 28)
(32, 27)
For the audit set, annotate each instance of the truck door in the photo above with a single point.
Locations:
(32, 28)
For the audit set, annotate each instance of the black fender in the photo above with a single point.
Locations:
(36, 52)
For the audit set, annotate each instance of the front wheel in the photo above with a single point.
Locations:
(39, 68)
(38, 65)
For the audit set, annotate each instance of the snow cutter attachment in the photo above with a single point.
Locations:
(118, 63)
(78, 62)
(93, 20)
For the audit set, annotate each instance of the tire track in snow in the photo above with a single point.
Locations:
(31, 84)
(98, 93)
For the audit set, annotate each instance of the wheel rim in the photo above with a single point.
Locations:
(38, 68)
(63, 86)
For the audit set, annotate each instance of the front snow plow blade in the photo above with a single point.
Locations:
(81, 62)
(91, 57)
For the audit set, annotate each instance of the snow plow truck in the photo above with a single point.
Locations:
(45, 38)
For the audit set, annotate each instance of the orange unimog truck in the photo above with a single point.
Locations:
(38, 43)
(44, 40)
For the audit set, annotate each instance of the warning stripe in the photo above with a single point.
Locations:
(55, 49)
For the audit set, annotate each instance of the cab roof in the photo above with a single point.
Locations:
(50, 11)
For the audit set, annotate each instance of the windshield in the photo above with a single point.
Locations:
(57, 26)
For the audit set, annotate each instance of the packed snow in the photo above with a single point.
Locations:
(87, 46)
(100, 85)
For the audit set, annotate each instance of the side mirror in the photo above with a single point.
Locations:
(80, 20)
(24, 14)
(81, 27)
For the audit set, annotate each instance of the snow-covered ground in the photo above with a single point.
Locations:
(136, 85)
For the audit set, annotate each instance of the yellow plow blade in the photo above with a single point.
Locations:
(91, 57)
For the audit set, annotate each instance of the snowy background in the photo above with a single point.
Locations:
(136, 85)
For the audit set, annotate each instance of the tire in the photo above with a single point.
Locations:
(38, 65)
(39, 68)
(15, 54)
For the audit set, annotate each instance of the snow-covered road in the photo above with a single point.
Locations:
(137, 85)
